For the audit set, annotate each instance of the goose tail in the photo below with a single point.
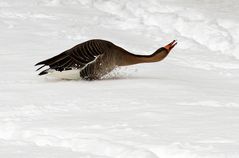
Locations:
(44, 72)
(51, 62)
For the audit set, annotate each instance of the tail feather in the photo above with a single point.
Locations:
(53, 62)
(44, 72)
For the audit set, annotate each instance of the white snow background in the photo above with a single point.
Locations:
(186, 106)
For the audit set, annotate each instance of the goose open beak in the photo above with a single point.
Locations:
(170, 45)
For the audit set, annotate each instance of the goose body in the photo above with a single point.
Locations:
(93, 59)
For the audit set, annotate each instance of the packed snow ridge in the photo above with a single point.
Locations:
(186, 24)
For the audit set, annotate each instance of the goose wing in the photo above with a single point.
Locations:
(77, 57)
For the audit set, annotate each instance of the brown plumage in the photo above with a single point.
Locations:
(95, 58)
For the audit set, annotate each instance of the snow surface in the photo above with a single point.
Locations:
(184, 107)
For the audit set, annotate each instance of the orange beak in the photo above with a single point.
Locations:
(170, 45)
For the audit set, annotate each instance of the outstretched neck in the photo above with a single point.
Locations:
(131, 59)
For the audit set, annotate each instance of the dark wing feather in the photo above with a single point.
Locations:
(76, 57)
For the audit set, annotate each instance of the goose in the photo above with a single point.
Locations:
(93, 59)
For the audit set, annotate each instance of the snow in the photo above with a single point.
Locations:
(186, 106)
